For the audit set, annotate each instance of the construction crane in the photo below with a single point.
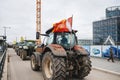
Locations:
(38, 21)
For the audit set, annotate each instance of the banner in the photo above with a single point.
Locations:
(119, 52)
(87, 48)
(95, 51)
(106, 51)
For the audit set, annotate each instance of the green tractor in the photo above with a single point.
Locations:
(26, 49)
(60, 56)
(18, 47)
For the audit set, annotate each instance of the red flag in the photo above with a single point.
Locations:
(63, 26)
(60, 26)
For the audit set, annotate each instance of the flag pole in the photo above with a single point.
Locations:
(71, 31)
(72, 20)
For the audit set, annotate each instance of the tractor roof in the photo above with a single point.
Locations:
(30, 40)
(51, 29)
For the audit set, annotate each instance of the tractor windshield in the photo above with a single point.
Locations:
(67, 40)
(30, 43)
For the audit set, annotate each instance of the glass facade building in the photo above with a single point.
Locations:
(85, 42)
(113, 11)
(109, 26)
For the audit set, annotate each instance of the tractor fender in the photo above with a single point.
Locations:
(80, 50)
(56, 49)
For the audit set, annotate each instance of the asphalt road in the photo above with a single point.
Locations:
(21, 70)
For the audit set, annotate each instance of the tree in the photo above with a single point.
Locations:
(21, 39)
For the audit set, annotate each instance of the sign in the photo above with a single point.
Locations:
(119, 52)
(106, 51)
(96, 51)
(87, 48)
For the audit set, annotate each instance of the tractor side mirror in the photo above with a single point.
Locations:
(37, 35)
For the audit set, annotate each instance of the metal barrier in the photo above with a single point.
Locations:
(2, 61)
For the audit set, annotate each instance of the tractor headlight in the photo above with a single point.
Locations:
(35, 47)
(20, 46)
(25, 47)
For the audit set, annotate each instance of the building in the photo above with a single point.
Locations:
(110, 26)
(113, 11)
(85, 42)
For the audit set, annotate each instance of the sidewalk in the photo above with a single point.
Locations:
(103, 65)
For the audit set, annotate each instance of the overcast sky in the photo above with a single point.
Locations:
(20, 15)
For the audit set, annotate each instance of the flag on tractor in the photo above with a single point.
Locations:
(69, 23)
(63, 26)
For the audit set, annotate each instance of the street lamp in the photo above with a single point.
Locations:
(5, 30)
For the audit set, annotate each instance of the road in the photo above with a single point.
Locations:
(21, 70)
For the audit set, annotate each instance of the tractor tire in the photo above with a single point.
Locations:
(34, 64)
(16, 52)
(85, 62)
(20, 53)
(23, 54)
(53, 68)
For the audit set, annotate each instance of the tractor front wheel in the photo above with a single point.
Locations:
(53, 68)
(34, 64)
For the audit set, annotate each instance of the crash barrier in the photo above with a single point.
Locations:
(103, 50)
(2, 61)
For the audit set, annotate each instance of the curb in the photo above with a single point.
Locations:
(106, 71)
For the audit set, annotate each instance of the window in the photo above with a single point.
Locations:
(67, 40)
(50, 39)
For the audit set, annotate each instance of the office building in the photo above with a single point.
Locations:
(110, 26)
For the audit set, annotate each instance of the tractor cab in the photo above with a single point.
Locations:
(66, 39)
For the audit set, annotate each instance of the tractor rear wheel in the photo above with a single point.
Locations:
(53, 68)
(34, 64)
(86, 66)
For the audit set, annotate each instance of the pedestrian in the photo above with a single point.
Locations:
(111, 55)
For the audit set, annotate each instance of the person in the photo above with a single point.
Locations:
(111, 55)
(64, 40)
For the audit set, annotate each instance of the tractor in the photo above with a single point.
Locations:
(60, 56)
(18, 47)
(26, 49)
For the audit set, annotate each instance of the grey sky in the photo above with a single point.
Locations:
(20, 15)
